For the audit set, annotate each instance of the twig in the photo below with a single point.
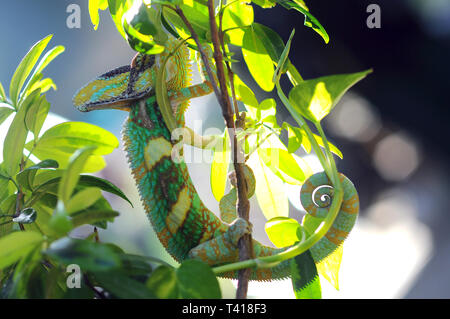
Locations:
(243, 206)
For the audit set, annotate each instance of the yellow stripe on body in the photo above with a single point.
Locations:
(179, 210)
(155, 150)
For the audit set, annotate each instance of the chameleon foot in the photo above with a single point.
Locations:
(238, 228)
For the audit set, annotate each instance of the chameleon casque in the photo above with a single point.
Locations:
(184, 225)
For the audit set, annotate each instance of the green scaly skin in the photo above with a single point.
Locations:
(185, 227)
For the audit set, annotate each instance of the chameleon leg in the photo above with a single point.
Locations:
(184, 94)
(222, 248)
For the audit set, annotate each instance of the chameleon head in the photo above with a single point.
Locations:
(119, 88)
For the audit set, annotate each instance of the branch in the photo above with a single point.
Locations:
(243, 206)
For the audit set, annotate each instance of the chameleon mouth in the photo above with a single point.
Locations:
(118, 105)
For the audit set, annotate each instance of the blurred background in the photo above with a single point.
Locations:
(392, 129)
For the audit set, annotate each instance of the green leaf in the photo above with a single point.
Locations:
(94, 163)
(70, 178)
(5, 112)
(257, 59)
(70, 136)
(92, 217)
(2, 93)
(329, 266)
(219, 166)
(34, 81)
(333, 148)
(305, 279)
(26, 216)
(163, 282)
(83, 199)
(283, 164)
(122, 286)
(94, 6)
(315, 98)
(88, 255)
(295, 137)
(17, 245)
(60, 222)
(44, 85)
(103, 184)
(197, 15)
(36, 115)
(272, 41)
(26, 177)
(310, 20)
(25, 67)
(117, 8)
(16, 136)
(283, 58)
(143, 29)
(244, 94)
(197, 281)
(282, 231)
(135, 265)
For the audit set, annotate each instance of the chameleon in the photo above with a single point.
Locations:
(183, 224)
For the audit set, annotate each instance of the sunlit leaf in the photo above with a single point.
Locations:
(219, 167)
(34, 81)
(283, 164)
(270, 193)
(25, 67)
(282, 231)
(305, 280)
(144, 30)
(257, 59)
(237, 14)
(117, 8)
(70, 136)
(315, 98)
(16, 136)
(36, 115)
(94, 6)
(2, 93)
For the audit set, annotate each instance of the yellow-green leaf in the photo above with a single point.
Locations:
(283, 231)
(257, 59)
(219, 167)
(314, 99)
(71, 176)
(270, 193)
(17, 245)
(25, 67)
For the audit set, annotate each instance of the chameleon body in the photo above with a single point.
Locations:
(183, 224)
